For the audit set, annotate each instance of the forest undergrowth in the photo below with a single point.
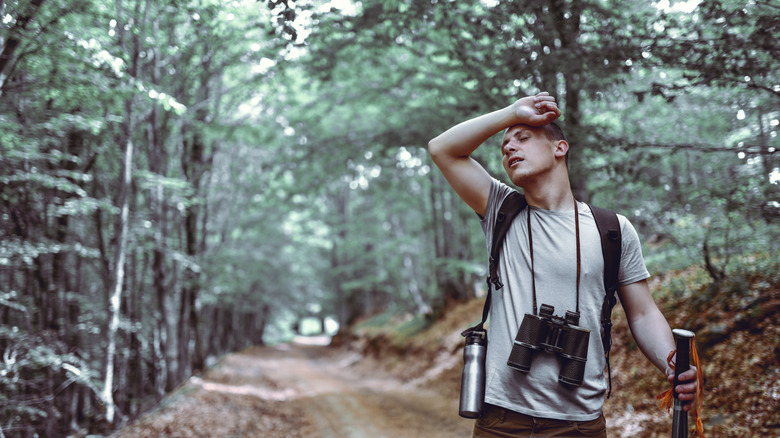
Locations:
(737, 326)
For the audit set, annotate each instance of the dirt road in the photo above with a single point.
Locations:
(300, 391)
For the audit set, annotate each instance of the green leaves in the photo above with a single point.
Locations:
(725, 43)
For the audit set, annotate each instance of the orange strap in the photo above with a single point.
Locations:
(665, 400)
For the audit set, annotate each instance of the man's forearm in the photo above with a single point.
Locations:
(463, 139)
(654, 338)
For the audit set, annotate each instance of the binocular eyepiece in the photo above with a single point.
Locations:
(549, 333)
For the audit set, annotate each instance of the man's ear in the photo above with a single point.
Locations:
(561, 148)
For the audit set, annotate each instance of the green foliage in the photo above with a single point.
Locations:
(29, 360)
(724, 43)
(696, 177)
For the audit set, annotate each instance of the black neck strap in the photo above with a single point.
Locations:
(579, 264)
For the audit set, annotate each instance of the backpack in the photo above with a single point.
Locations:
(611, 246)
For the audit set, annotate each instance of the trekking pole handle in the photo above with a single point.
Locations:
(683, 339)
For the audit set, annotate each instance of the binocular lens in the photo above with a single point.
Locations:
(560, 336)
(520, 358)
(574, 354)
(574, 343)
(528, 337)
(572, 372)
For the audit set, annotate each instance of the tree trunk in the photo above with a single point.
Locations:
(337, 255)
(171, 349)
(183, 327)
(409, 268)
(119, 268)
(265, 313)
(135, 375)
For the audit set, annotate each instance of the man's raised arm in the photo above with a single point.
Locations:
(451, 150)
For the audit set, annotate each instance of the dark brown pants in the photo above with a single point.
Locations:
(503, 423)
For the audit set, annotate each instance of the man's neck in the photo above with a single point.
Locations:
(550, 189)
(550, 197)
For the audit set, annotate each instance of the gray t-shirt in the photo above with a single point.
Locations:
(538, 392)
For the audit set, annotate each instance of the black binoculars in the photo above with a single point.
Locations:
(553, 334)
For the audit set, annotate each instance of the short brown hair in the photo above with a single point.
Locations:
(554, 132)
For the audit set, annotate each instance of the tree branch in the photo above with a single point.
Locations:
(747, 149)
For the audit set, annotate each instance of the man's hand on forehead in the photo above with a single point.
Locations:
(545, 103)
(537, 110)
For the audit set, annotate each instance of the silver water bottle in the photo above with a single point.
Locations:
(472, 381)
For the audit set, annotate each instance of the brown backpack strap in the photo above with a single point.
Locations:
(507, 211)
(611, 247)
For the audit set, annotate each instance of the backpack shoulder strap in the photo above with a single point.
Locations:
(611, 247)
(507, 211)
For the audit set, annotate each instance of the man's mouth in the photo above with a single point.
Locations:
(515, 160)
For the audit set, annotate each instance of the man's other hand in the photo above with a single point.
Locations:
(686, 390)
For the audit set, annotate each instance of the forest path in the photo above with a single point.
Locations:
(295, 390)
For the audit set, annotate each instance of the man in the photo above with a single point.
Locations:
(559, 264)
